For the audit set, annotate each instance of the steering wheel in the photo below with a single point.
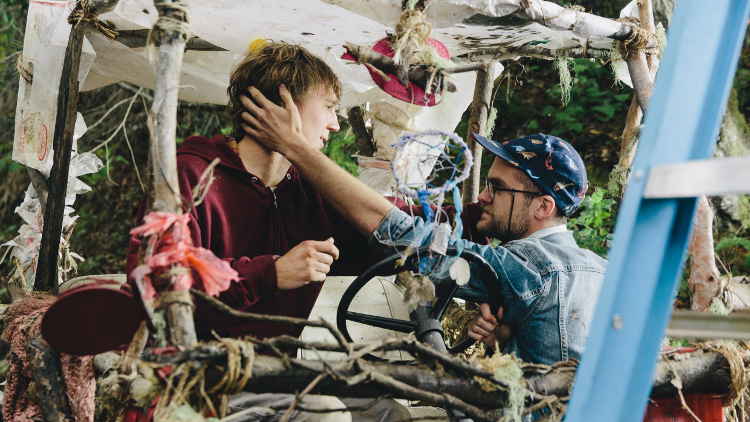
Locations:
(425, 320)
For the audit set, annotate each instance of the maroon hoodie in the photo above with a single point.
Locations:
(246, 223)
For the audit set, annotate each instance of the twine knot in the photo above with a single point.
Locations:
(83, 14)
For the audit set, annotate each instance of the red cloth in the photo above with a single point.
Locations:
(244, 222)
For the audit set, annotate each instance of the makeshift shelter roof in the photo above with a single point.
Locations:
(323, 27)
(222, 31)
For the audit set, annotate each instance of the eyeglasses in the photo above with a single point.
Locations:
(492, 189)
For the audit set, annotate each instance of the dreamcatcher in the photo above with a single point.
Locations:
(450, 162)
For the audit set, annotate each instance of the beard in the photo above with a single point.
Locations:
(497, 225)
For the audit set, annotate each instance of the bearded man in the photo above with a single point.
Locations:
(549, 285)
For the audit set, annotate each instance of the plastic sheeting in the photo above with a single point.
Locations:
(391, 118)
(46, 37)
(24, 248)
(322, 26)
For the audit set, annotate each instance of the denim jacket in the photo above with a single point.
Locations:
(549, 286)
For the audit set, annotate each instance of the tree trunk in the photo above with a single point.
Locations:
(663, 11)
(705, 282)
(480, 112)
(707, 372)
(643, 83)
(46, 279)
(48, 379)
(363, 137)
(635, 113)
(164, 154)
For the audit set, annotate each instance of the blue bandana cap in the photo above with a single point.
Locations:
(553, 165)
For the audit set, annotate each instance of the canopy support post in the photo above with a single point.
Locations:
(166, 188)
(480, 111)
(635, 114)
(643, 83)
(46, 273)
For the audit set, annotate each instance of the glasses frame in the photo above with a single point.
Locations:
(492, 190)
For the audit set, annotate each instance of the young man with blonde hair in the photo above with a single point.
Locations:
(268, 222)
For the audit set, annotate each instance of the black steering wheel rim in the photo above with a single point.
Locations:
(489, 278)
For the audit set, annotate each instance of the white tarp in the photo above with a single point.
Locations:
(24, 248)
(46, 37)
(320, 27)
(323, 27)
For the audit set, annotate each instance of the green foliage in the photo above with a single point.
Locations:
(737, 244)
(676, 342)
(592, 228)
(566, 81)
(742, 78)
(683, 292)
(227, 130)
(595, 114)
(340, 147)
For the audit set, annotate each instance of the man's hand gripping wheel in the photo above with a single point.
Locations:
(425, 320)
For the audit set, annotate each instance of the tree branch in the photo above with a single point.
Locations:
(363, 137)
(420, 77)
(216, 303)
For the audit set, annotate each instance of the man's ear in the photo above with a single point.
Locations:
(546, 208)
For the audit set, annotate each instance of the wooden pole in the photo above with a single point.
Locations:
(643, 83)
(480, 111)
(40, 186)
(705, 282)
(357, 123)
(164, 152)
(46, 372)
(708, 372)
(62, 143)
(540, 52)
(635, 114)
(138, 38)
(163, 148)
(646, 15)
(421, 77)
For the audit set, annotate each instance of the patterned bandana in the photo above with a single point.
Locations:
(553, 165)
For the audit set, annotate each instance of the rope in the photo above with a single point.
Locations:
(737, 370)
(82, 13)
(24, 71)
(183, 297)
(168, 24)
(240, 359)
(411, 30)
(638, 40)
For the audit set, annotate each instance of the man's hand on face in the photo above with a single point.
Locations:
(485, 327)
(309, 261)
(278, 128)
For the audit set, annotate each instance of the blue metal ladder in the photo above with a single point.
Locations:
(651, 236)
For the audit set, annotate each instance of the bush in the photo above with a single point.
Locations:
(593, 226)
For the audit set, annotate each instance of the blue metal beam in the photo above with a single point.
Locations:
(651, 236)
